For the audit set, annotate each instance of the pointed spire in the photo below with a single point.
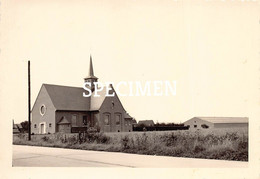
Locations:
(91, 71)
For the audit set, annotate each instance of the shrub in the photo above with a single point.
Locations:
(170, 140)
(101, 138)
(212, 144)
(125, 142)
(91, 137)
(198, 148)
(45, 138)
(72, 140)
(242, 145)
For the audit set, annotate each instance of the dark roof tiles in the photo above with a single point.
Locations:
(67, 98)
(71, 98)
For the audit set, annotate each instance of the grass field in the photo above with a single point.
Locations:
(225, 144)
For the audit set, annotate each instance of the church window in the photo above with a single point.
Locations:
(113, 104)
(35, 125)
(85, 120)
(106, 119)
(118, 119)
(50, 125)
(42, 109)
(74, 120)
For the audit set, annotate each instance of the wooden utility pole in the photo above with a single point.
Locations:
(29, 102)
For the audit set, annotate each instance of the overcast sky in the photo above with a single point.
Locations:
(210, 48)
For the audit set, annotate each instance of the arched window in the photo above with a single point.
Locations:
(118, 118)
(106, 117)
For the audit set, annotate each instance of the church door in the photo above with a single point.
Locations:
(42, 129)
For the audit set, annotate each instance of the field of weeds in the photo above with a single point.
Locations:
(229, 144)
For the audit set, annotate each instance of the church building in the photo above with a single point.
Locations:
(64, 109)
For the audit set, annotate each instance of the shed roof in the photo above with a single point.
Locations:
(225, 119)
(146, 122)
(15, 130)
(19, 126)
(15, 126)
(64, 120)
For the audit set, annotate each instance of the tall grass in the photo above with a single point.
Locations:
(211, 144)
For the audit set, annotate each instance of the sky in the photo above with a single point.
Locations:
(210, 48)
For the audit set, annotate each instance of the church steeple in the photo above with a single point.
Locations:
(91, 78)
(91, 71)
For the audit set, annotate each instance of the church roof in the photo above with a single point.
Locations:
(127, 116)
(225, 119)
(96, 102)
(67, 98)
(71, 98)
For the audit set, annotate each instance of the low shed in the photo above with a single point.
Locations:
(216, 122)
(146, 123)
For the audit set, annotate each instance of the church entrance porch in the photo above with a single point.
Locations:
(64, 128)
(42, 128)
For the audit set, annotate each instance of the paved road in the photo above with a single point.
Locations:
(57, 157)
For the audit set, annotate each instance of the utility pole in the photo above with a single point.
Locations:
(29, 102)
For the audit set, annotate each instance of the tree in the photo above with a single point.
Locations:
(25, 125)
